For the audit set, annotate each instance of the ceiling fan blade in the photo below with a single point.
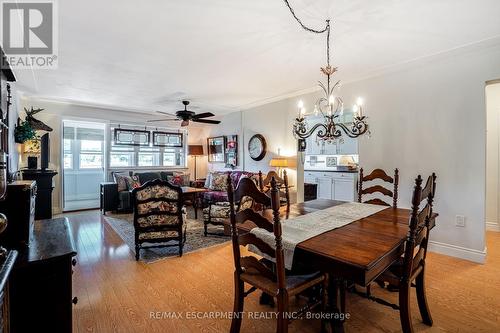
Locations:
(168, 114)
(206, 121)
(203, 115)
(155, 120)
(185, 123)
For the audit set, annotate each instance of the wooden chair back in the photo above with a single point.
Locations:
(281, 183)
(381, 175)
(247, 188)
(418, 235)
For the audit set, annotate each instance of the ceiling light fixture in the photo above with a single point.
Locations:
(331, 106)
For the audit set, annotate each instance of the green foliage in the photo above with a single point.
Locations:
(24, 132)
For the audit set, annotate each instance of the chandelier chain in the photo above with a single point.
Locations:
(326, 29)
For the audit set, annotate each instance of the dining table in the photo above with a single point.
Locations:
(357, 252)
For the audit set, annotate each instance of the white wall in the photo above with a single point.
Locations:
(425, 116)
(492, 155)
(274, 122)
(431, 117)
(53, 115)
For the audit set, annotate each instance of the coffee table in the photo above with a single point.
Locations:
(191, 193)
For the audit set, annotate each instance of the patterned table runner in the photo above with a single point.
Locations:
(304, 227)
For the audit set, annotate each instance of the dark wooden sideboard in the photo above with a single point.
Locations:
(45, 185)
(41, 282)
(19, 207)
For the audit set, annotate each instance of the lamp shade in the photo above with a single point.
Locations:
(279, 162)
(346, 160)
(32, 147)
(195, 150)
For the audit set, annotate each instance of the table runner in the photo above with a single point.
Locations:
(304, 227)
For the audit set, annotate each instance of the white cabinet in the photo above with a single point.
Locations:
(333, 185)
(344, 190)
(310, 177)
(325, 187)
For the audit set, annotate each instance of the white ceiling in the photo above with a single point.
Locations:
(225, 55)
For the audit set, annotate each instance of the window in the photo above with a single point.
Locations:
(68, 156)
(91, 154)
(122, 156)
(83, 145)
(149, 157)
(133, 155)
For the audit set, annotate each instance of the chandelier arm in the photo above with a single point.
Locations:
(302, 133)
(359, 127)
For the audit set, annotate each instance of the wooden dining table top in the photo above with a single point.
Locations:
(358, 251)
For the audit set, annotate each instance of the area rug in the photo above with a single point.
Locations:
(123, 225)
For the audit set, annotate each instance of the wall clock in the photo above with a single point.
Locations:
(257, 147)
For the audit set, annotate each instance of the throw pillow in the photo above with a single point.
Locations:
(208, 180)
(219, 181)
(121, 181)
(176, 180)
(133, 182)
(184, 176)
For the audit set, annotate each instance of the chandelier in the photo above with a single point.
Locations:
(330, 106)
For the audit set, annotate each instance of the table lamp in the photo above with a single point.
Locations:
(195, 150)
(348, 161)
(32, 149)
(279, 162)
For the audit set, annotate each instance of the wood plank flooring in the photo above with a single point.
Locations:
(118, 294)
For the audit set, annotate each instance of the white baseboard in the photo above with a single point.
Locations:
(492, 226)
(458, 252)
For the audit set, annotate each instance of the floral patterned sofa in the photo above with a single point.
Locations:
(216, 211)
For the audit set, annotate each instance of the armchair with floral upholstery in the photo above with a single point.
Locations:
(216, 203)
(159, 216)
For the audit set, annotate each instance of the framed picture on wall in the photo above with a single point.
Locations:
(216, 149)
(129, 137)
(231, 151)
(167, 139)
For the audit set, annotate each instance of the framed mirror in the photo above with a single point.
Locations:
(216, 149)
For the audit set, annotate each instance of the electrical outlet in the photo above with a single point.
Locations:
(460, 221)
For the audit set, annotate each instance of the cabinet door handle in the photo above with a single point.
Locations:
(74, 300)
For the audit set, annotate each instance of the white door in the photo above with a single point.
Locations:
(83, 164)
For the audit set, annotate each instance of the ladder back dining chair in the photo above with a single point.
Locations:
(255, 272)
(409, 270)
(378, 174)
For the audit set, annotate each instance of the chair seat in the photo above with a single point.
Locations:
(295, 284)
(158, 234)
(219, 211)
(395, 271)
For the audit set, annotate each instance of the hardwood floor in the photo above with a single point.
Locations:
(118, 294)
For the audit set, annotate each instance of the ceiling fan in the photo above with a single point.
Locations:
(186, 116)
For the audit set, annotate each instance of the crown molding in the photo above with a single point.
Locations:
(488, 43)
(67, 101)
(278, 98)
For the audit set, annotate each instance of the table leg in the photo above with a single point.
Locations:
(195, 205)
(336, 300)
